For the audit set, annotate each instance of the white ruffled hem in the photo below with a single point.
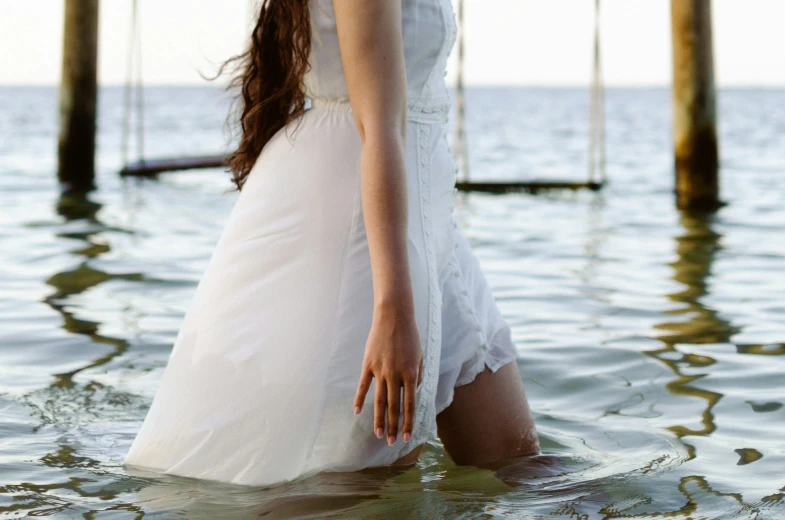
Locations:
(501, 351)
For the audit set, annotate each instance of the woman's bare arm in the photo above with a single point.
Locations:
(369, 34)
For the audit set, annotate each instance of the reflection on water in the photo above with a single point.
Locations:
(651, 342)
(697, 323)
(79, 207)
(64, 403)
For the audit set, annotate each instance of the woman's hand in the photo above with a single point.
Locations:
(394, 358)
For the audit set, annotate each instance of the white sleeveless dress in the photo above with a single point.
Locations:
(260, 383)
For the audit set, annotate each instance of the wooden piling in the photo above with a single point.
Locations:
(694, 106)
(78, 96)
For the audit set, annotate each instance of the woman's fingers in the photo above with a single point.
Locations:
(389, 403)
(409, 405)
(379, 408)
(393, 409)
(362, 390)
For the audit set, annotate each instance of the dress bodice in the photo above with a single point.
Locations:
(429, 31)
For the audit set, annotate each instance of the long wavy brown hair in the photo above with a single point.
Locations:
(270, 78)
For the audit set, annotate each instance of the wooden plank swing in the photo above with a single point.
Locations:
(152, 167)
(149, 167)
(596, 171)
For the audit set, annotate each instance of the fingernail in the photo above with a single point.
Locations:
(379, 432)
(391, 440)
(407, 437)
(356, 410)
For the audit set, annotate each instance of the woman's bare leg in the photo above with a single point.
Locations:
(489, 420)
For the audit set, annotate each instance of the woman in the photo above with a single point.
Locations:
(342, 319)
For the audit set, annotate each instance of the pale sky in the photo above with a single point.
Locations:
(508, 42)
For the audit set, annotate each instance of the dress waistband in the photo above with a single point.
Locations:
(427, 112)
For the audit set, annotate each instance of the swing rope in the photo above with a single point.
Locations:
(134, 51)
(596, 154)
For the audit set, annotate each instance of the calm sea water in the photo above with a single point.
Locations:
(651, 343)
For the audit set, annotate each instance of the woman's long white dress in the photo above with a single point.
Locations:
(260, 382)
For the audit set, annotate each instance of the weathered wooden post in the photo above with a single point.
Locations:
(694, 106)
(78, 96)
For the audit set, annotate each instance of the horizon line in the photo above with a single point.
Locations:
(732, 86)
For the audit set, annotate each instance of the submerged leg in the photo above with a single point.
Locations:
(410, 458)
(489, 420)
